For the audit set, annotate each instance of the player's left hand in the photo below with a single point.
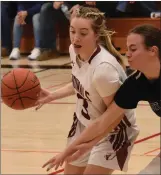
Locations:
(56, 161)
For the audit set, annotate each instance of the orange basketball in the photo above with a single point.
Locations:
(20, 89)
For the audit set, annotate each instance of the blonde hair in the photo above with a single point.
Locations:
(99, 27)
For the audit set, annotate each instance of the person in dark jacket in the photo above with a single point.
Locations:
(135, 8)
(8, 12)
(52, 13)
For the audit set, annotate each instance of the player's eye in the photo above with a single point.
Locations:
(132, 49)
(83, 34)
(71, 31)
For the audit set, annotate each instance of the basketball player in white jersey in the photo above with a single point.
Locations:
(97, 73)
(144, 55)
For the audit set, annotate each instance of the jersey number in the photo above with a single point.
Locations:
(85, 106)
(74, 126)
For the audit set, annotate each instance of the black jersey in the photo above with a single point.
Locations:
(138, 88)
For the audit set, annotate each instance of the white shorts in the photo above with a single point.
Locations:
(112, 152)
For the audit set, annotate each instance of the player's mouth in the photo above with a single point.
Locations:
(77, 46)
(130, 60)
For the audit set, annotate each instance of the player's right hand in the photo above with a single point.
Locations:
(44, 97)
(80, 150)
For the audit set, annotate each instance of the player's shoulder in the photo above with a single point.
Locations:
(104, 53)
(104, 56)
(104, 68)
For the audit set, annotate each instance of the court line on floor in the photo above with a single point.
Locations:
(50, 152)
(30, 151)
(47, 76)
(75, 103)
(47, 151)
(64, 83)
(38, 71)
(52, 86)
(138, 141)
(62, 66)
(151, 151)
(44, 69)
(62, 103)
(147, 138)
(57, 172)
(62, 170)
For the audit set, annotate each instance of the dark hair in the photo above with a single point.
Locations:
(151, 34)
(99, 27)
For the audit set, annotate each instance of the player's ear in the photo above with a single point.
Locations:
(154, 50)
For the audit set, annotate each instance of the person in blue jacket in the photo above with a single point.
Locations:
(27, 12)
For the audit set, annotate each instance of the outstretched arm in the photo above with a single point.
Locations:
(98, 129)
(89, 137)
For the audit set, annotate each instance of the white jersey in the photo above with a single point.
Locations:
(100, 76)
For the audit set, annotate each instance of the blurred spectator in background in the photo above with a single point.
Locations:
(136, 8)
(53, 13)
(108, 7)
(27, 12)
(125, 8)
(8, 12)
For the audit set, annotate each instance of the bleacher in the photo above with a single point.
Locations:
(120, 25)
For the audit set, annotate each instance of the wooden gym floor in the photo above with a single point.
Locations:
(29, 138)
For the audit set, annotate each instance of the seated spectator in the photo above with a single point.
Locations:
(27, 12)
(136, 8)
(107, 7)
(52, 14)
(155, 15)
(8, 12)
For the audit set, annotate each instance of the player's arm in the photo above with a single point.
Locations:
(106, 82)
(125, 98)
(65, 91)
(95, 132)
(89, 137)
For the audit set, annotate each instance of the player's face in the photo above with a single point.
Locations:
(82, 36)
(137, 53)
